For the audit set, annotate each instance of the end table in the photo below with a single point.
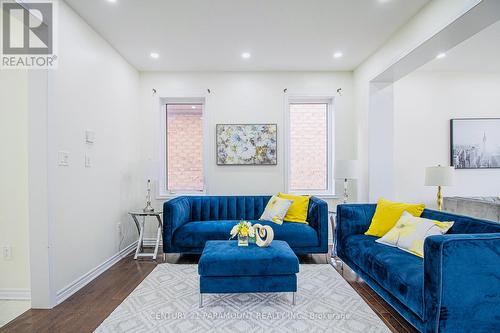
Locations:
(140, 229)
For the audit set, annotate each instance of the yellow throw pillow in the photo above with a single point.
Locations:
(410, 232)
(388, 213)
(298, 210)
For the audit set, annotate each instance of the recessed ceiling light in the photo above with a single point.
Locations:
(154, 55)
(246, 55)
(112, 1)
(441, 55)
(193, 107)
(384, 1)
(337, 55)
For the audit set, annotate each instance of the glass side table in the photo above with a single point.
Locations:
(140, 228)
(334, 258)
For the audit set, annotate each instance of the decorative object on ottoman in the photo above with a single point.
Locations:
(225, 267)
(243, 230)
(264, 235)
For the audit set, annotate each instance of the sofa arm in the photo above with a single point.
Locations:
(351, 219)
(317, 217)
(462, 283)
(176, 212)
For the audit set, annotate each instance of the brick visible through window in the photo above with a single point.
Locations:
(308, 147)
(185, 147)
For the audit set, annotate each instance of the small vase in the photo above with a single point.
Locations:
(242, 240)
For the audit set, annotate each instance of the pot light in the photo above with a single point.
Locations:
(441, 55)
(338, 55)
(154, 55)
(246, 55)
(193, 107)
(112, 1)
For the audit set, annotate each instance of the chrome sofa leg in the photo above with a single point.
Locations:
(293, 298)
(164, 257)
(201, 300)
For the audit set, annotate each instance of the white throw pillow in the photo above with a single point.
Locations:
(276, 209)
(410, 232)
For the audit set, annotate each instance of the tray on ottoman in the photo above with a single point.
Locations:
(225, 267)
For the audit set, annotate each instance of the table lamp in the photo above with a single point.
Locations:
(346, 169)
(150, 174)
(439, 176)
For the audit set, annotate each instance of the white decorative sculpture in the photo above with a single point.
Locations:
(264, 235)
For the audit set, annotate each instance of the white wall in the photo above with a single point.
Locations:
(435, 16)
(14, 273)
(424, 102)
(93, 88)
(247, 97)
(14, 276)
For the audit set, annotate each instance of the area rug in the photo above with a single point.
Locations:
(168, 301)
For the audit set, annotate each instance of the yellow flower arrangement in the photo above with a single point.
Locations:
(243, 229)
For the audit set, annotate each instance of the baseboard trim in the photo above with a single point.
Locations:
(82, 281)
(15, 294)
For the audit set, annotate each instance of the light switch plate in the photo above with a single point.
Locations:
(89, 136)
(7, 252)
(88, 161)
(63, 158)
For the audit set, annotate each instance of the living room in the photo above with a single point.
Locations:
(152, 131)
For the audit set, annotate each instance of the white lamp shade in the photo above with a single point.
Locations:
(439, 176)
(346, 169)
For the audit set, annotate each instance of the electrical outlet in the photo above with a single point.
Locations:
(63, 158)
(7, 252)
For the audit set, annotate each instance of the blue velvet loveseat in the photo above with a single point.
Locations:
(190, 221)
(455, 288)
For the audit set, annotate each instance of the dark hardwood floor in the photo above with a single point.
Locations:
(85, 310)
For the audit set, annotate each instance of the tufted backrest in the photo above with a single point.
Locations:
(463, 224)
(207, 208)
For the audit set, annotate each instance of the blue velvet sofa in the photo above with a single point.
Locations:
(190, 221)
(455, 288)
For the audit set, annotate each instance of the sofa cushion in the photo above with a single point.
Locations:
(398, 272)
(226, 258)
(195, 234)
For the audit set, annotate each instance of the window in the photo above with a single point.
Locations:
(184, 147)
(310, 148)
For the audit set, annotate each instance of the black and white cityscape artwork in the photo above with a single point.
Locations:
(475, 143)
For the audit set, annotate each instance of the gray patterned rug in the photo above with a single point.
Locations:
(167, 301)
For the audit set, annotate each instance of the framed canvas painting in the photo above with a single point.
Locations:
(475, 143)
(246, 144)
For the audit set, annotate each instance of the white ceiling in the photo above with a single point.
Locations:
(279, 34)
(480, 53)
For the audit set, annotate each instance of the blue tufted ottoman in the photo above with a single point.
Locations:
(225, 267)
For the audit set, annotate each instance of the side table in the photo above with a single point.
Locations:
(334, 259)
(140, 229)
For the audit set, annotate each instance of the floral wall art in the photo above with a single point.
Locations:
(246, 144)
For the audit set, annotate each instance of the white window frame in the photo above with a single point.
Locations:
(163, 192)
(330, 116)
